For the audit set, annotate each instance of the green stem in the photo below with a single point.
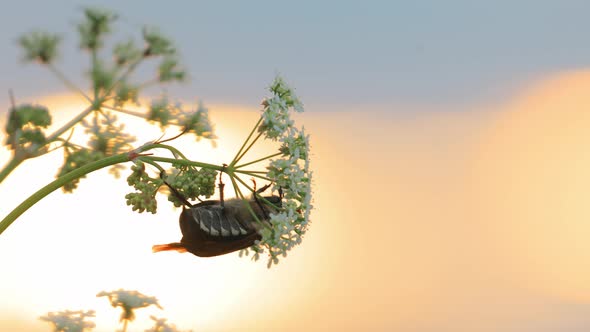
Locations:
(259, 160)
(244, 184)
(151, 162)
(12, 164)
(235, 161)
(170, 148)
(254, 175)
(58, 183)
(129, 70)
(94, 66)
(149, 83)
(70, 124)
(253, 191)
(67, 82)
(8, 168)
(236, 188)
(124, 111)
(188, 163)
(245, 142)
(244, 200)
(257, 195)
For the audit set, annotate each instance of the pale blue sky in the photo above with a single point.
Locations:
(441, 54)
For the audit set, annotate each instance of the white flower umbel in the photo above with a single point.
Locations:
(128, 301)
(290, 173)
(276, 118)
(160, 325)
(70, 321)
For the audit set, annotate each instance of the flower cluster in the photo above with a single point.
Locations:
(191, 183)
(276, 115)
(107, 138)
(128, 301)
(96, 25)
(112, 85)
(291, 174)
(157, 44)
(74, 158)
(146, 188)
(40, 46)
(126, 53)
(160, 325)
(25, 126)
(124, 93)
(102, 76)
(169, 70)
(70, 321)
(195, 121)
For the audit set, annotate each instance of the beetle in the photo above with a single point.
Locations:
(218, 227)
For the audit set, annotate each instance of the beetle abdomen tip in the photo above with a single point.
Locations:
(176, 246)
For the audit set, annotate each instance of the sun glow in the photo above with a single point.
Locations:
(90, 241)
(433, 221)
(534, 178)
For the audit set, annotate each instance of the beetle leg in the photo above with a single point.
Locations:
(255, 194)
(261, 189)
(221, 185)
(176, 192)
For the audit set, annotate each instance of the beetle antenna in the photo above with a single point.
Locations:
(175, 192)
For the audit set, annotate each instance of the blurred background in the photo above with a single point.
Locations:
(450, 153)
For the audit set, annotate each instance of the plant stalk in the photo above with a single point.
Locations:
(190, 163)
(58, 183)
(259, 160)
(8, 168)
(70, 124)
(245, 142)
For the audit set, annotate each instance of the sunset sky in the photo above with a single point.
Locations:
(451, 157)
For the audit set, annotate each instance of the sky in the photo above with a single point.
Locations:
(450, 155)
(396, 55)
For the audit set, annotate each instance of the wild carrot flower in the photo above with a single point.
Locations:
(290, 174)
(70, 321)
(129, 301)
(160, 325)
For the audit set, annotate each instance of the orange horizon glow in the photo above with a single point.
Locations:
(438, 221)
